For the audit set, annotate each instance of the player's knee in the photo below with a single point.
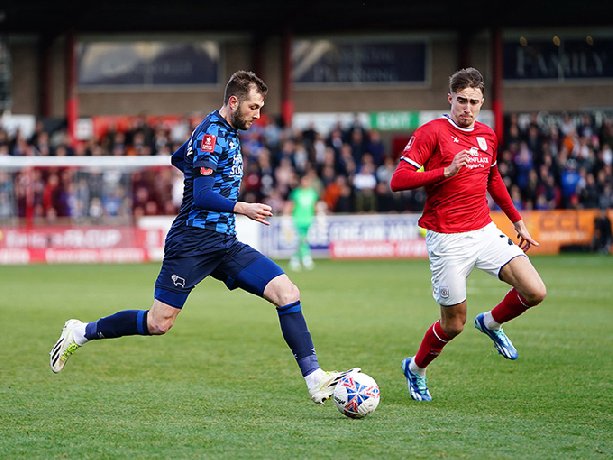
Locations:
(453, 328)
(536, 295)
(281, 291)
(160, 326)
(288, 294)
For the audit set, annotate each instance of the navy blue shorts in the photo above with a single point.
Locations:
(225, 258)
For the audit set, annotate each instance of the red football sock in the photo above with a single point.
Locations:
(511, 307)
(431, 345)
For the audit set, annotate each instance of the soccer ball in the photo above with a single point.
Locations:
(356, 395)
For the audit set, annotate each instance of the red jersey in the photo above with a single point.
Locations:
(457, 203)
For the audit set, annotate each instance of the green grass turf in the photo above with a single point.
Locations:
(222, 383)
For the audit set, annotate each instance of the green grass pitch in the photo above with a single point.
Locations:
(222, 383)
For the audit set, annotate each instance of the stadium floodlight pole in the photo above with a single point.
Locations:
(287, 108)
(72, 102)
(497, 75)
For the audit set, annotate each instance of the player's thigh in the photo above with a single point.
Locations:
(179, 275)
(521, 274)
(302, 230)
(246, 268)
(451, 261)
(496, 250)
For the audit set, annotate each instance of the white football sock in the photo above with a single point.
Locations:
(313, 379)
(489, 322)
(421, 371)
(79, 334)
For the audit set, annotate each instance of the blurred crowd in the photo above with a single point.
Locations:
(548, 161)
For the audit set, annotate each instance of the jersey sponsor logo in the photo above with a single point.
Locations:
(204, 171)
(476, 160)
(208, 143)
(178, 281)
(482, 144)
(237, 166)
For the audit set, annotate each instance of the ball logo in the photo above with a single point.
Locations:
(356, 395)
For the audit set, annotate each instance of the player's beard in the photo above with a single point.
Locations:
(239, 121)
(463, 120)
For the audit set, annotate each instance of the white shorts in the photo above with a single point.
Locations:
(454, 255)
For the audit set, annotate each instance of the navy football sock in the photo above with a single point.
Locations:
(122, 323)
(298, 337)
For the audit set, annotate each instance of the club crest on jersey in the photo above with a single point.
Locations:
(178, 280)
(409, 144)
(208, 143)
(205, 171)
(482, 143)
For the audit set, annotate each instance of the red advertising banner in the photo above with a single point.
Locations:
(336, 236)
(80, 245)
(379, 249)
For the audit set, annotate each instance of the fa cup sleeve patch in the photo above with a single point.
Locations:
(208, 143)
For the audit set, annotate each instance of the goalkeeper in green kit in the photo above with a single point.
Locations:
(302, 202)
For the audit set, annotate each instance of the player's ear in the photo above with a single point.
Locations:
(233, 102)
(449, 98)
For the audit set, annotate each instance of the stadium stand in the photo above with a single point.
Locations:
(548, 161)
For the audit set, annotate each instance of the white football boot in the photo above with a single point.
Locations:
(321, 385)
(65, 346)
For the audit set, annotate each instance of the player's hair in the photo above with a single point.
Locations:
(241, 82)
(466, 78)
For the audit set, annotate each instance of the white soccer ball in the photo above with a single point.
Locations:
(356, 395)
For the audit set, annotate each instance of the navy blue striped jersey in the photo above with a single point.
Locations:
(213, 149)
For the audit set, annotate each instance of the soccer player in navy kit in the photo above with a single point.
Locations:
(202, 242)
(454, 158)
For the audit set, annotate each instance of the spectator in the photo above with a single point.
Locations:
(603, 234)
(557, 161)
(588, 193)
(365, 183)
(569, 179)
(386, 199)
(376, 147)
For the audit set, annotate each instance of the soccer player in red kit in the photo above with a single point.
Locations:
(454, 158)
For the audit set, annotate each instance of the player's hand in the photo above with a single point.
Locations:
(254, 211)
(525, 240)
(459, 160)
